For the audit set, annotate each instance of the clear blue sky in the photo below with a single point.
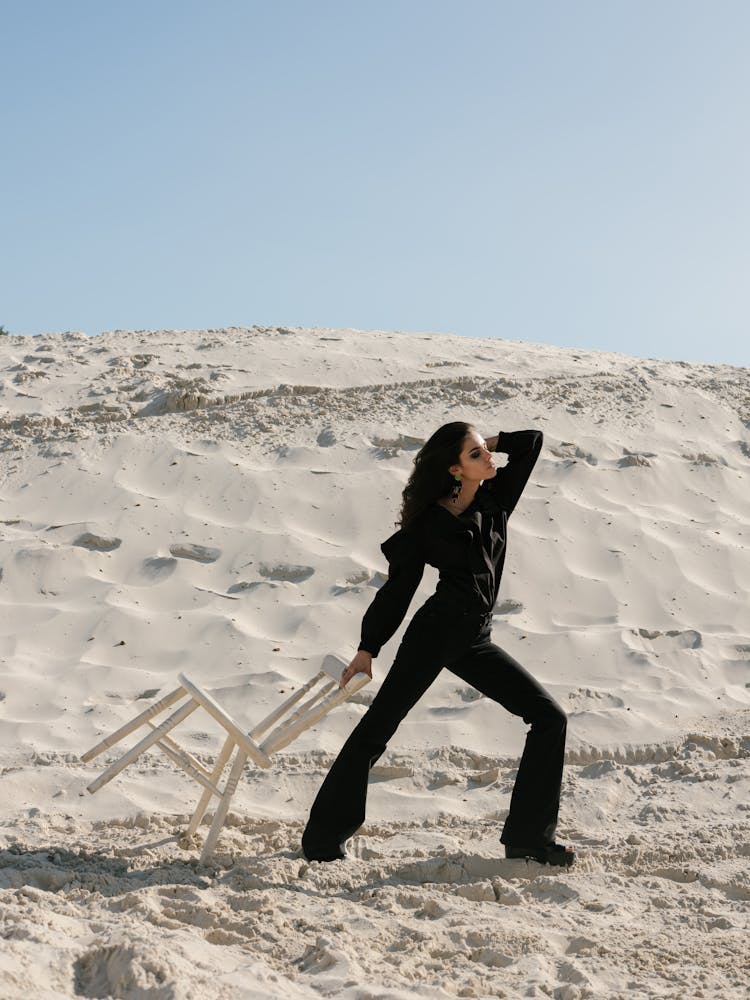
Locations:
(571, 173)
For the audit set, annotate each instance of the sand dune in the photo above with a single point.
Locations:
(213, 501)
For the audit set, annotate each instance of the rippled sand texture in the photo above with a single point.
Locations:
(213, 502)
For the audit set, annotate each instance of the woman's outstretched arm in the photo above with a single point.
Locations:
(391, 602)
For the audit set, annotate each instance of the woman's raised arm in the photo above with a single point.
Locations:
(522, 449)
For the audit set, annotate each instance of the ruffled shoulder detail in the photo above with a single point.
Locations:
(402, 546)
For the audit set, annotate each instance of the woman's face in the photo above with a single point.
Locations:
(475, 460)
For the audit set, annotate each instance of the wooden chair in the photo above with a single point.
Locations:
(321, 694)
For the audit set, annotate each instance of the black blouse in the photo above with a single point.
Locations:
(468, 549)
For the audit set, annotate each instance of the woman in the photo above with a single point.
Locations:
(454, 516)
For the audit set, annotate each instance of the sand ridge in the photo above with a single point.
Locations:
(213, 501)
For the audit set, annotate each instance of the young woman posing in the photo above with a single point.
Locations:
(454, 516)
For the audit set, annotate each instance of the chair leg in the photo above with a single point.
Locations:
(223, 808)
(114, 769)
(129, 727)
(221, 761)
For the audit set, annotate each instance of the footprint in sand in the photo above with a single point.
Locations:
(509, 607)
(244, 585)
(147, 695)
(570, 450)
(200, 553)
(686, 638)
(326, 438)
(634, 458)
(590, 699)
(285, 571)
(353, 583)
(97, 543)
(109, 969)
(392, 447)
(159, 568)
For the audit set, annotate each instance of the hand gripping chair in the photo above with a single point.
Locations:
(289, 720)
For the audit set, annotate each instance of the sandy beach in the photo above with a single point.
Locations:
(213, 502)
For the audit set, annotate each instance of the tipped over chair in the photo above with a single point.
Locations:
(320, 694)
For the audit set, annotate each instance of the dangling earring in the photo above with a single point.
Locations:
(456, 489)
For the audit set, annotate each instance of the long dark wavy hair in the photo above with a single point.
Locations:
(430, 479)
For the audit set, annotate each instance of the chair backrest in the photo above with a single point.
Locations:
(326, 679)
(321, 694)
(325, 694)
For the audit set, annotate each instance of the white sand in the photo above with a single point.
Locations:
(213, 502)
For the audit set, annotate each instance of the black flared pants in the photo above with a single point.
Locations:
(437, 638)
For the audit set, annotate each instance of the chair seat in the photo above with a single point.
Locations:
(225, 720)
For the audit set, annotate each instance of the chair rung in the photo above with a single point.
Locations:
(183, 761)
(181, 750)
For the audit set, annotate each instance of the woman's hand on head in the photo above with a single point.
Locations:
(361, 664)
